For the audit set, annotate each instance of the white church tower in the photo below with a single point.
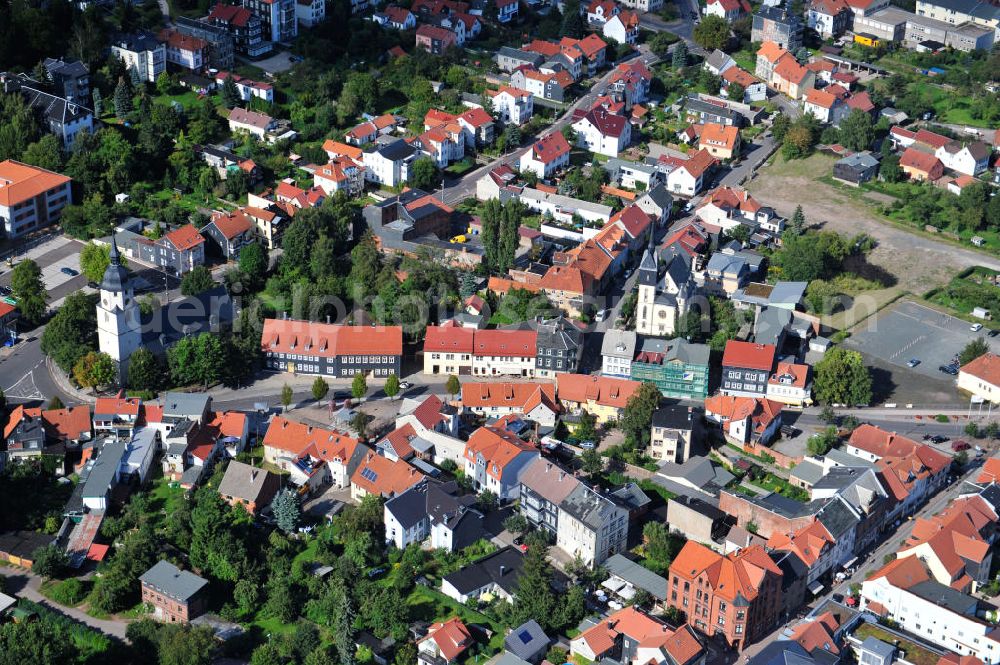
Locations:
(118, 323)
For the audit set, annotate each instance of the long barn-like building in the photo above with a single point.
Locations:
(307, 347)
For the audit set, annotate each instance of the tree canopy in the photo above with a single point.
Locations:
(843, 378)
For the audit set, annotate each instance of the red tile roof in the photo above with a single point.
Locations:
(497, 446)
(451, 637)
(733, 5)
(517, 343)
(448, 339)
(335, 148)
(647, 632)
(761, 412)
(902, 573)
(300, 439)
(477, 117)
(232, 224)
(737, 574)
(118, 405)
(566, 278)
(741, 76)
(928, 137)
(607, 124)
(603, 390)
(985, 368)
(990, 473)
(549, 148)
(920, 161)
(330, 340)
(21, 182)
(382, 477)
(749, 355)
(513, 395)
(184, 238)
(429, 413)
(771, 51)
(790, 70)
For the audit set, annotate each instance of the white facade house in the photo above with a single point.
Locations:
(511, 105)
(617, 353)
(143, 53)
(494, 460)
(602, 132)
(389, 164)
(546, 156)
(622, 28)
(30, 198)
(310, 12)
(970, 159)
(248, 89)
(930, 610)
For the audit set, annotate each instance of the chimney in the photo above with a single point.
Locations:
(328, 319)
(503, 570)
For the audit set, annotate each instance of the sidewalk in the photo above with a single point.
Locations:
(65, 385)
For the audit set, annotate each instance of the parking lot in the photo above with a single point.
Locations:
(52, 256)
(908, 331)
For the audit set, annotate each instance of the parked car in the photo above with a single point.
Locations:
(937, 438)
(912, 362)
(600, 316)
(993, 333)
(587, 445)
(959, 446)
(5, 291)
(376, 572)
(949, 369)
(405, 385)
(976, 327)
(68, 271)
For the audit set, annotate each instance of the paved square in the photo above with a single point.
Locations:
(910, 330)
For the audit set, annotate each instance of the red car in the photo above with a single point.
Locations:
(959, 446)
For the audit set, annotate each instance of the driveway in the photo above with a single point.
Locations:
(23, 584)
(275, 64)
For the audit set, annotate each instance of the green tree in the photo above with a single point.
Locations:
(35, 641)
(253, 264)
(638, 415)
(98, 102)
(712, 33)
(586, 429)
(424, 174)
(72, 330)
(359, 386)
(857, 131)
(164, 84)
(230, 93)
(95, 369)
(798, 222)
(391, 387)
(843, 378)
(286, 396)
(45, 153)
(889, 170)
(591, 462)
(573, 24)
(285, 507)
(123, 98)
(453, 386)
(94, 261)
(679, 59)
(319, 388)
(819, 444)
(534, 598)
(198, 280)
(973, 350)
(54, 403)
(366, 264)
(27, 286)
(145, 371)
(186, 645)
(49, 561)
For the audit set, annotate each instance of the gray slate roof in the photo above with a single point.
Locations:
(676, 349)
(185, 404)
(619, 343)
(104, 469)
(528, 640)
(171, 581)
(243, 481)
(638, 576)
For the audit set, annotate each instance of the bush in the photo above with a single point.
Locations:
(69, 592)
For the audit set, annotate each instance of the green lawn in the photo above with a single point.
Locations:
(432, 605)
(745, 59)
(166, 500)
(914, 653)
(189, 99)
(461, 167)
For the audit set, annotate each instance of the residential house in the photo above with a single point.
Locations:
(754, 90)
(920, 166)
(600, 11)
(184, 51)
(310, 12)
(435, 39)
(737, 596)
(559, 345)
(116, 417)
(313, 456)
(824, 106)
(979, 377)
(969, 159)
(634, 175)
(341, 174)
(856, 169)
(395, 17)
(506, 10)
(746, 368)
(382, 477)
(623, 27)
(244, 26)
(248, 486)
(673, 432)
(30, 198)
(686, 177)
(791, 384)
(510, 59)
(729, 270)
(178, 252)
(389, 164)
(729, 207)
(307, 347)
(495, 459)
(583, 522)
(547, 85)
(494, 575)
(546, 156)
(617, 352)
(603, 397)
(277, 17)
(720, 141)
(479, 125)
(630, 83)
(248, 89)
(445, 642)
(432, 510)
(677, 367)
(220, 41)
(177, 596)
(905, 592)
(830, 18)
(62, 117)
(512, 105)
(229, 232)
(778, 25)
(603, 133)
(526, 643)
(70, 79)
(252, 122)
(727, 9)
(644, 5)
(533, 401)
(632, 637)
(141, 52)
(751, 421)
(225, 162)
(718, 62)
(29, 431)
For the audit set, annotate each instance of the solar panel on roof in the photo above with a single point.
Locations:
(524, 636)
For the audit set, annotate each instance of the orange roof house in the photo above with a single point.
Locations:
(184, 238)
(536, 401)
(981, 377)
(602, 396)
(446, 640)
(311, 452)
(990, 473)
(655, 642)
(809, 543)
(494, 457)
(920, 166)
(749, 420)
(325, 340)
(20, 182)
(721, 141)
(743, 587)
(382, 476)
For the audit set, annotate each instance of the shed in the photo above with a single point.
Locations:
(981, 313)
